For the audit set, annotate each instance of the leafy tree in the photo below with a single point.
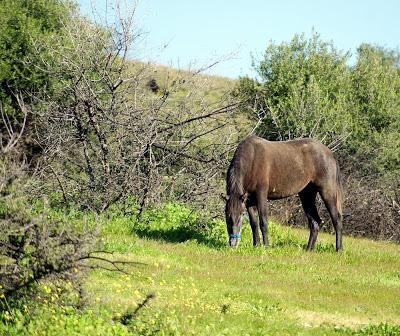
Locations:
(302, 90)
(376, 84)
(376, 88)
(21, 23)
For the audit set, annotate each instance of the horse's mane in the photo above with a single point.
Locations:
(234, 185)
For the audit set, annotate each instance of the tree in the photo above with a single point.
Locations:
(376, 87)
(21, 23)
(302, 90)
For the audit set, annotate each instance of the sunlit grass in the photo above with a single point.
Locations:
(284, 289)
(203, 287)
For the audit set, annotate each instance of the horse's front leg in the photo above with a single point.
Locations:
(262, 215)
(252, 210)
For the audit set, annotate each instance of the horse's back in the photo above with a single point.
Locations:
(282, 167)
(300, 152)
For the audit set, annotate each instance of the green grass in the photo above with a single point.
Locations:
(202, 287)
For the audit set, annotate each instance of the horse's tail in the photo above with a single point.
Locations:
(339, 190)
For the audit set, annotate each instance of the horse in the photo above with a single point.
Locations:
(264, 170)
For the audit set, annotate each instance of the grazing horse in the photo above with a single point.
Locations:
(262, 170)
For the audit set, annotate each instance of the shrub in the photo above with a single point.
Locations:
(34, 247)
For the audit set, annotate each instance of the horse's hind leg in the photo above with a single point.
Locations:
(307, 197)
(252, 210)
(330, 200)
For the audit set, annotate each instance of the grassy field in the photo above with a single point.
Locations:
(202, 287)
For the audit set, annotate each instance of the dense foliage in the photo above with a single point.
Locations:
(302, 90)
(33, 246)
(22, 23)
(376, 99)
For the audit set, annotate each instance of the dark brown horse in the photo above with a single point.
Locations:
(262, 170)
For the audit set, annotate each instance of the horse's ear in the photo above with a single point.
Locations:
(224, 197)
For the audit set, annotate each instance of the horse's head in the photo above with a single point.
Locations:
(234, 208)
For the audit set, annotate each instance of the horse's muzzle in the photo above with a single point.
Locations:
(234, 242)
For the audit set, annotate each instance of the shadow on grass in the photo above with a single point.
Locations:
(203, 236)
(183, 234)
(179, 234)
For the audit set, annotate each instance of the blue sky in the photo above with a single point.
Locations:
(181, 33)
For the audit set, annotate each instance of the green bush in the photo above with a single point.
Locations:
(22, 23)
(180, 223)
(302, 90)
(39, 243)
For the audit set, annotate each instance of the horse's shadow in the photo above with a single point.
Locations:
(178, 234)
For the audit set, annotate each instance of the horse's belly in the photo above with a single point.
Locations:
(283, 191)
(279, 195)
